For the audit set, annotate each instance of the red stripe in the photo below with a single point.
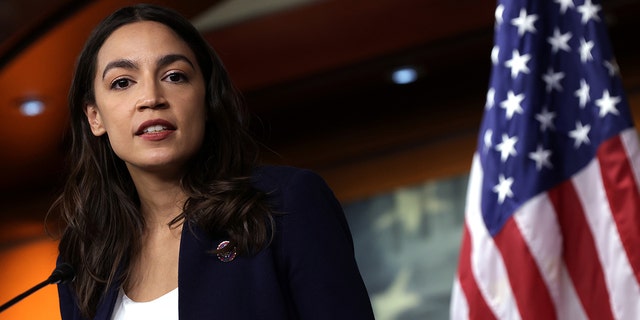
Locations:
(529, 289)
(624, 197)
(478, 308)
(579, 252)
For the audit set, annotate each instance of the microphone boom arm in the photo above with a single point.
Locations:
(23, 295)
(61, 274)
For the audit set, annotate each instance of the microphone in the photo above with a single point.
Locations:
(63, 273)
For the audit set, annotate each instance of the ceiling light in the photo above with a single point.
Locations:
(404, 75)
(32, 107)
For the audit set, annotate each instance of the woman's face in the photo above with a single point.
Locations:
(149, 98)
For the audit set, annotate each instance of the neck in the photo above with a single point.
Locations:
(161, 200)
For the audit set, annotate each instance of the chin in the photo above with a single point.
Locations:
(159, 166)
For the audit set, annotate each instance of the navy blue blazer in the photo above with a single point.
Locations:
(308, 272)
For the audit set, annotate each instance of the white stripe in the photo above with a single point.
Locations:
(623, 289)
(539, 227)
(569, 303)
(487, 264)
(631, 144)
(458, 309)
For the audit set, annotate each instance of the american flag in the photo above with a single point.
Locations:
(552, 220)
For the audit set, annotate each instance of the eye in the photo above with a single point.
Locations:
(121, 83)
(176, 77)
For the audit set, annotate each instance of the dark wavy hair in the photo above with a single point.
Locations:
(99, 203)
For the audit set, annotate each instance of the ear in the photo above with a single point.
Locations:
(95, 120)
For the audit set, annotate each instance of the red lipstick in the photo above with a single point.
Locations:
(155, 130)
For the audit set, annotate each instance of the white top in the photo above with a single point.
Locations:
(164, 307)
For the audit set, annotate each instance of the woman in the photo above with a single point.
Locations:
(168, 214)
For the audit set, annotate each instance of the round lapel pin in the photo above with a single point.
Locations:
(228, 255)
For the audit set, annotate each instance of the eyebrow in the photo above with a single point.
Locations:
(121, 63)
(162, 62)
(171, 58)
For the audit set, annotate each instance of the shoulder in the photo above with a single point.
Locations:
(292, 189)
(313, 246)
(304, 204)
(270, 178)
(290, 186)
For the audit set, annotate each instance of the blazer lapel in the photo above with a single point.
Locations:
(209, 287)
(195, 269)
(106, 305)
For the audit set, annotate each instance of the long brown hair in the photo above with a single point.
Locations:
(99, 202)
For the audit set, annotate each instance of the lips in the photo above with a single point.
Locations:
(154, 127)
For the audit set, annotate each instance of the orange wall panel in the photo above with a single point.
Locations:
(23, 266)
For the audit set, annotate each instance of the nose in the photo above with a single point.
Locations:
(151, 96)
